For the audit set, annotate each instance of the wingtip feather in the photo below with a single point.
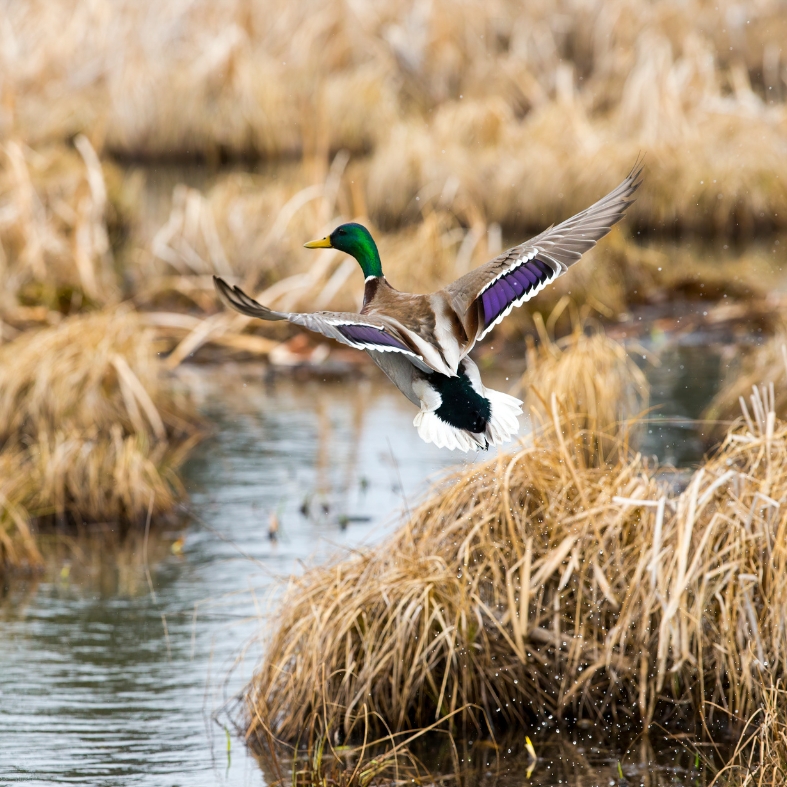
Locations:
(635, 177)
(238, 300)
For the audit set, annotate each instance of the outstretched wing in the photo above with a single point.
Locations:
(356, 330)
(483, 297)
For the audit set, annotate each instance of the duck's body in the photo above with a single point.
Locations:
(422, 342)
(456, 409)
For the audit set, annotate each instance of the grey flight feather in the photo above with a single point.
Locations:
(238, 300)
(480, 299)
(560, 246)
(326, 323)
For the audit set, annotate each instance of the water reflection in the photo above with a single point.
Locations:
(682, 384)
(573, 757)
(557, 756)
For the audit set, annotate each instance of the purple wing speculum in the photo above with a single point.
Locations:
(514, 288)
(367, 335)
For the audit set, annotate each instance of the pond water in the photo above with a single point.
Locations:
(115, 666)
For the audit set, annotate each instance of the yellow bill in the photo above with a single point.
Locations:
(325, 243)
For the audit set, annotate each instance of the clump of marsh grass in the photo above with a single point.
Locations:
(519, 106)
(92, 431)
(251, 229)
(530, 170)
(591, 376)
(90, 371)
(536, 584)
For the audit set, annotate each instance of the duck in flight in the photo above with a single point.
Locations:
(422, 342)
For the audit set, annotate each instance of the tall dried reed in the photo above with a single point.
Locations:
(592, 377)
(523, 111)
(760, 758)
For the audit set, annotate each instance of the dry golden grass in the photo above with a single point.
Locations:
(92, 371)
(715, 150)
(760, 758)
(718, 174)
(92, 429)
(224, 76)
(55, 223)
(620, 274)
(459, 167)
(522, 111)
(534, 584)
(591, 376)
(251, 228)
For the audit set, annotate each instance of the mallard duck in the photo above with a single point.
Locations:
(422, 342)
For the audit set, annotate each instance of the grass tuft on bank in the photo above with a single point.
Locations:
(93, 430)
(590, 376)
(535, 584)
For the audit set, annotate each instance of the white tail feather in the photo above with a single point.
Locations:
(503, 424)
(432, 429)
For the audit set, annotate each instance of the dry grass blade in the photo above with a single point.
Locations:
(593, 378)
(760, 758)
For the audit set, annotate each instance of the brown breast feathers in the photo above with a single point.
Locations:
(414, 312)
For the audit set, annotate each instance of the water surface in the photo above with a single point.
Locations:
(103, 682)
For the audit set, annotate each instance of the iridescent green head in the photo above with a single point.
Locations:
(355, 240)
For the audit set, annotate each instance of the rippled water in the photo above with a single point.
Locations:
(105, 681)
(95, 690)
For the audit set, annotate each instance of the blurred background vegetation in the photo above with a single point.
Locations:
(145, 146)
(450, 126)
